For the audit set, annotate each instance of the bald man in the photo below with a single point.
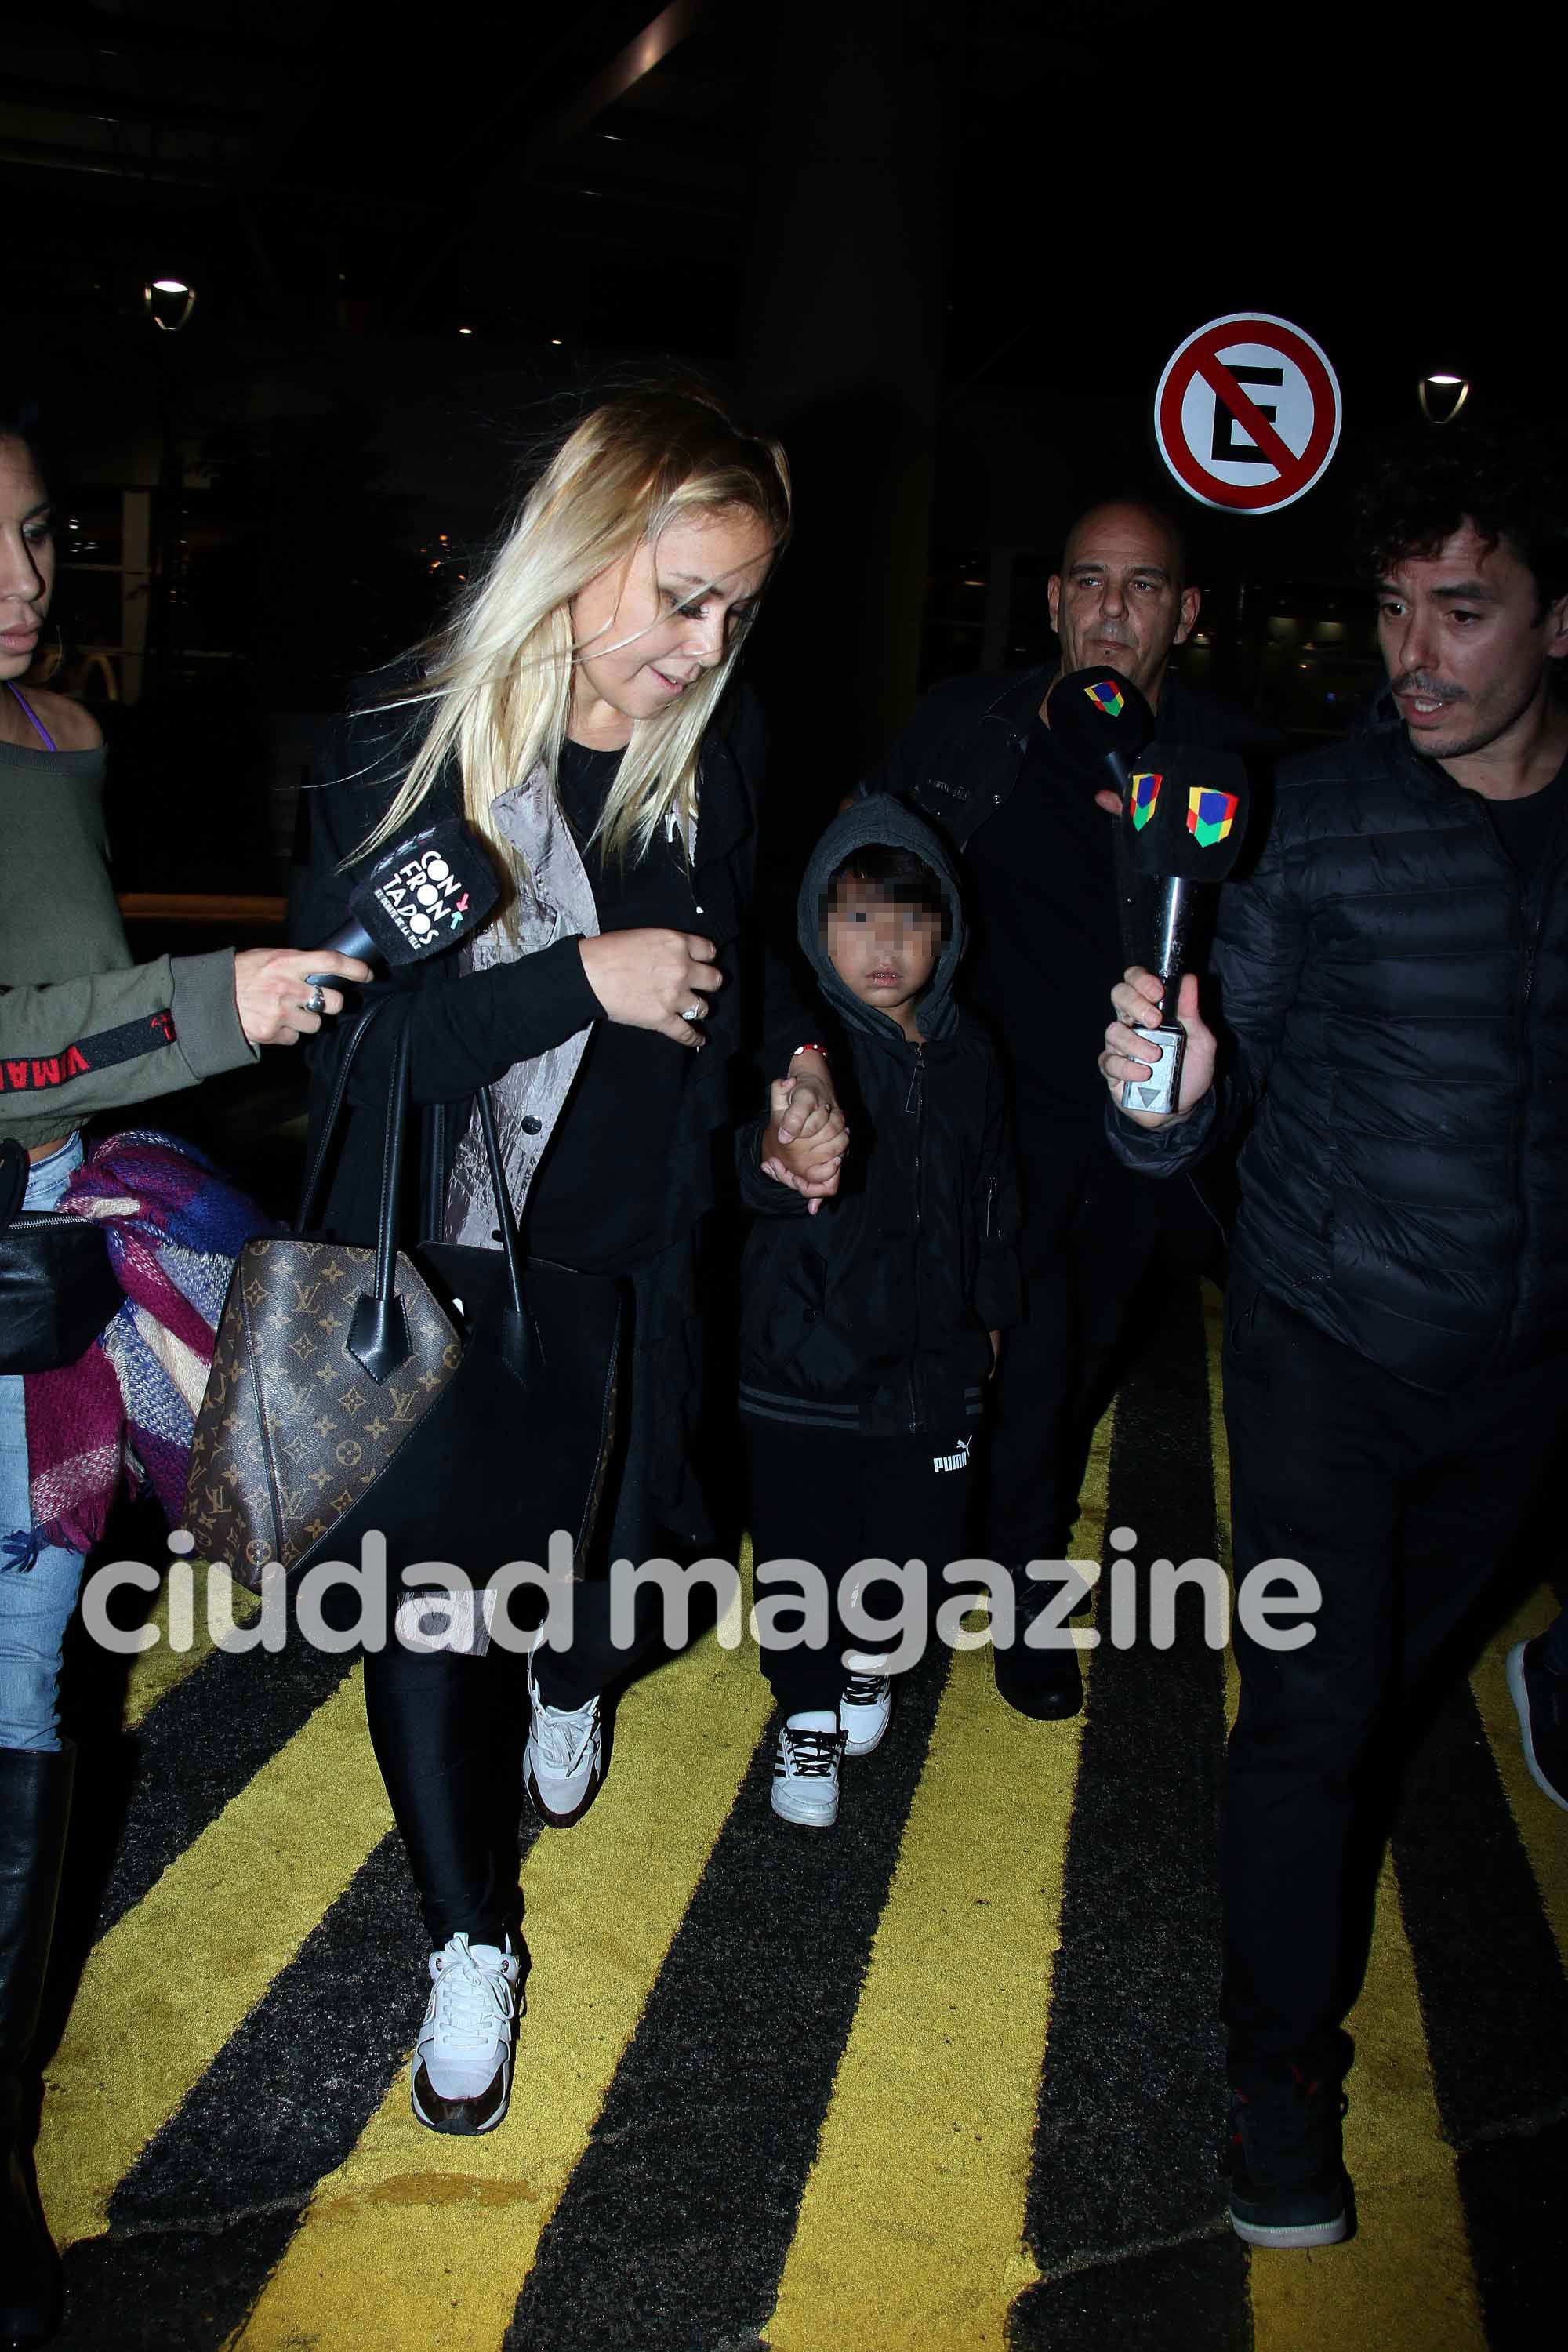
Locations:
(978, 760)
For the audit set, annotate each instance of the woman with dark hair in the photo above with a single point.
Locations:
(81, 1030)
(581, 712)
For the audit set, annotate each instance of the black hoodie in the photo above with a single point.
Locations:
(872, 1317)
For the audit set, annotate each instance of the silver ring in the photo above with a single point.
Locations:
(694, 1012)
(316, 1002)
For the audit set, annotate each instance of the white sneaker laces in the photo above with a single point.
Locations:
(564, 1736)
(472, 2003)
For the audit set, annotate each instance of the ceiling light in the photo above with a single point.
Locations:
(1442, 397)
(169, 302)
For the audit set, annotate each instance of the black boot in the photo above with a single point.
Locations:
(35, 1807)
(1046, 1685)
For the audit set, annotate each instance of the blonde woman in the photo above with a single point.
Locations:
(581, 711)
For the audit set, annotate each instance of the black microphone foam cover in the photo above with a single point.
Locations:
(426, 893)
(1184, 814)
(1093, 713)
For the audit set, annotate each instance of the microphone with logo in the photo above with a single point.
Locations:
(418, 898)
(1183, 818)
(1098, 716)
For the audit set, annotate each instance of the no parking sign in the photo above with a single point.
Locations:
(1247, 412)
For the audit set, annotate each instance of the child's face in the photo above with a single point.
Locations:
(883, 950)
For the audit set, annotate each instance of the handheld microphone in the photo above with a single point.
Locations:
(1184, 820)
(418, 898)
(1098, 715)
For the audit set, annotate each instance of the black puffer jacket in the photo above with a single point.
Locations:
(872, 1315)
(1396, 1004)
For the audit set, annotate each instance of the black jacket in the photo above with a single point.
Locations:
(872, 1317)
(469, 1028)
(961, 754)
(1395, 1005)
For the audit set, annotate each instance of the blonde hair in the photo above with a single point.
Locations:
(500, 674)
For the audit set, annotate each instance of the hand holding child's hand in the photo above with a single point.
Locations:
(808, 1165)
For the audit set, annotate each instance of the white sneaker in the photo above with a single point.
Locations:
(462, 2060)
(563, 1761)
(806, 1776)
(864, 1711)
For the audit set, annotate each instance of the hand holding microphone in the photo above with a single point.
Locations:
(281, 993)
(1184, 819)
(434, 888)
(1133, 1060)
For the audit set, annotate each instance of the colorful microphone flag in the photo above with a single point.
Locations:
(1143, 797)
(1210, 815)
(1107, 697)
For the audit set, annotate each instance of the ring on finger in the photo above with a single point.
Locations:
(698, 1012)
(316, 1002)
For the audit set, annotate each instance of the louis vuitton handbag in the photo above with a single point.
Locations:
(458, 1401)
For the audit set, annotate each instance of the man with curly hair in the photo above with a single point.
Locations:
(1394, 1038)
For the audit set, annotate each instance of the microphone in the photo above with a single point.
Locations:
(1183, 822)
(417, 899)
(1097, 715)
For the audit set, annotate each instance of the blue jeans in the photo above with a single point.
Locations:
(36, 1603)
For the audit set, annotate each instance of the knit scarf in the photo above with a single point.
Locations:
(128, 1406)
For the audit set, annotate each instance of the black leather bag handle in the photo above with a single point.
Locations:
(378, 1330)
(309, 1201)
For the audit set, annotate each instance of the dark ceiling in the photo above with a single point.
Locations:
(595, 171)
(1071, 190)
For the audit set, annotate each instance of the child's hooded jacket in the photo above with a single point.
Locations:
(872, 1317)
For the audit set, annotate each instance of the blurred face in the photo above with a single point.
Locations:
(883, 950)
(1467, 643)
(26, 559)
(1119, 600)
(649, 627)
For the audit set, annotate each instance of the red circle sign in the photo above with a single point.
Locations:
(1247, 412)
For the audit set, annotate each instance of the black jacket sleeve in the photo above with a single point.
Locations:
(998, 1280)
(465, 1032)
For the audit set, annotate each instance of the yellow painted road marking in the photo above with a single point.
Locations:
(156, 1672)
(1542, 1827)
(174, 1979)
(1404, 2282)
(912, 2228)
(420, 2243)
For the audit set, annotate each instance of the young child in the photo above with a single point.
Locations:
(869, 1328)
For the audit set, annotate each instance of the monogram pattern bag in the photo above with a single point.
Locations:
(457, 1402)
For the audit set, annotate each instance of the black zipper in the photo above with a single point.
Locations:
(915, 1101)
(992, 1185)
(37, 1221)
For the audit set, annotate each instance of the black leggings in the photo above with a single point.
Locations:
(447, 1733)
